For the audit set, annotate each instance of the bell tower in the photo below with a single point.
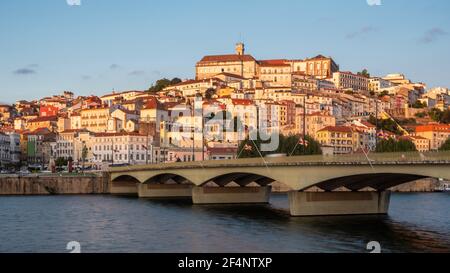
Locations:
(240, 49)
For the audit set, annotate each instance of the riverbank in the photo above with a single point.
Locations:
(53, 184)
(99, 183)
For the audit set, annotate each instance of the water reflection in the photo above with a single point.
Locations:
(416, 223)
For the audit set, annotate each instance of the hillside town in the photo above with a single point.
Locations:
(207, 117)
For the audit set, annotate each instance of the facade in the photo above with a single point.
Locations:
(314, 122)
(378, 85)
(5, 149)
(320, 67)
(275, 73)
(436, 133)
(95, 119)
(120, 148)
(43, 122)
(397, 79)
(343, 139)
(239, 64)
(348, 80)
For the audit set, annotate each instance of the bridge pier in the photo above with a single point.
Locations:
(231, 195)
(338, 203)
(124, 188)
(164, 191)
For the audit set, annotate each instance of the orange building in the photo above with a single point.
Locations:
(436, 133)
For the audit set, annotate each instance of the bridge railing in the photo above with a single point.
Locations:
(378, 158)
(359, 158)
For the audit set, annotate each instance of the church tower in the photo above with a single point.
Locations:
(240, 49)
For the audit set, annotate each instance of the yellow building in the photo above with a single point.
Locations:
(275, 72)
(225, 92)
(314, 122)
(95, 119)
(343, 139)
(422, 144)
(436, 133)
(42, 122)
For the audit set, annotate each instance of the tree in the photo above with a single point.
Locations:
(446, 117)
(84, 154)
(386, 125)
(420, 115)
(445, 146)
(175, 81)
(419, 105)
(163, 83)
(364, 73)
(210, 93)
(391, 146)
(436, 114)
(288, 145)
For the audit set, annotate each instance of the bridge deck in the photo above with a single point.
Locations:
(438, 158)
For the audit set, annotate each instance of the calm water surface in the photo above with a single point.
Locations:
(416, 223)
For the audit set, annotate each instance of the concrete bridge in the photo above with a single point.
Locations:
(320, 185)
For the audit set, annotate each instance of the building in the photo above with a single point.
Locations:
(120, 148)
(39, 146)
(422, 144)
(51, 123)
(314, 122)
(5, 149)
(436, 133)
(348, 80)
(222, 153)
(320, 67)
(275, 73)
(239, 64)
(48, 110)
(109, 99)
(95, 119)
(397, 79)
(343, 139)
(378, 85)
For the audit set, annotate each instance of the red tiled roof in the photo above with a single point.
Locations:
(444, 128)
(242, 102)
(341, 129)
(227, 58)
(44, 119)
(279, 62)
(117, 134)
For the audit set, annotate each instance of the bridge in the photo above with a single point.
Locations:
(319, 185)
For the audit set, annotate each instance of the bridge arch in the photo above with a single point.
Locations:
(240, 178)
(375, 181)
(168, 178)
(126, 178)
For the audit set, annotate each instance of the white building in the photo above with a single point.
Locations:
(121, 148)
(5, 148)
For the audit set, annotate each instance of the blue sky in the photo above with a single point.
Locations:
(48, 46)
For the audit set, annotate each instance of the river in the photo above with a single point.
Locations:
(417, 222)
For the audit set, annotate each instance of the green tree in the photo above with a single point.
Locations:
(391, 146)
(288, 145)
(436, 114)
(364, 73)
(84, 154)
(419, 105)
(210, 93)
(420, 115)
(160, 84)
(445, 146)
(386, 125)
(175, 81)
(60, 162)
(445, 118)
